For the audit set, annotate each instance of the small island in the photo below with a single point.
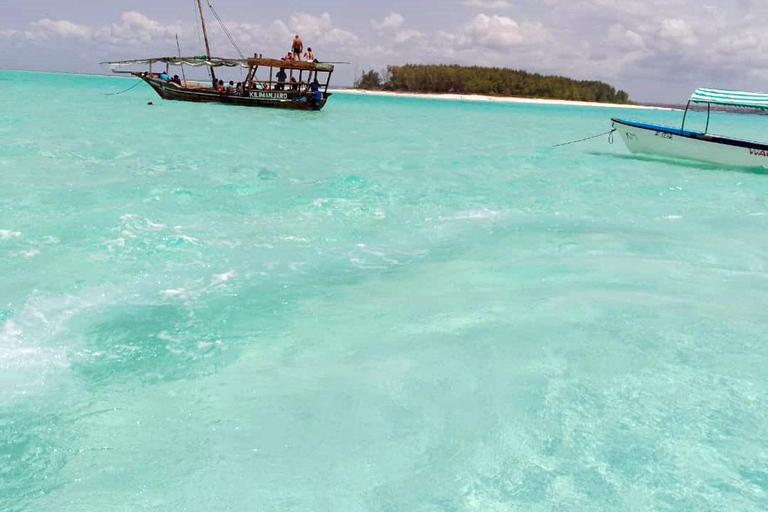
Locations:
(501, 82)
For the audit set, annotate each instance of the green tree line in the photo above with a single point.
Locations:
(489, 81)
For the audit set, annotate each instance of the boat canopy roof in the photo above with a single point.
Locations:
(291, 64)
(731, 98)
(202, 60)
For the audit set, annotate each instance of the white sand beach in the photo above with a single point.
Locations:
(497, 99)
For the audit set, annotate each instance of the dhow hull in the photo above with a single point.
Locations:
(287, 99)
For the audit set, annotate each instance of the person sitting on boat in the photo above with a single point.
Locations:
(288, 56)
(298, 47)
(309, 56)
(220, 86)
(231, 87)
(294, 84)
(240, 90)
(175, 80)
(164, 76)
(281, 78)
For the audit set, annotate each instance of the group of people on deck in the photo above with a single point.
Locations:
(282, 84)
(231, 88)
(175, 80)
(297, 47)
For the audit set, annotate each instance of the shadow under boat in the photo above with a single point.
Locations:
(680, 162)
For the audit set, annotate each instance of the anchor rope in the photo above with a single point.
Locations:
(121, 92)
(609, 133)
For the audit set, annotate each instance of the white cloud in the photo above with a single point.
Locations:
(488, 5)
(391, 27)
(132, 28)
(745, 42)
(135, 31)
(62, 28)
(318, 28)
(393, 21)
(135, 28)
(677, 31)
(624, 39)
(500, 32)
(407, 35)
(8, 34)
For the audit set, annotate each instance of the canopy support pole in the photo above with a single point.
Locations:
(682, 128)
(709, 105)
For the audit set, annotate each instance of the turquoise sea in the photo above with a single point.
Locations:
(395, 304)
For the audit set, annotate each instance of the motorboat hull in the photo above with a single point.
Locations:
(648, 139)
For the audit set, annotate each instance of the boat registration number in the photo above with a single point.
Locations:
(269, 95)
(758, 152)
(664, 135)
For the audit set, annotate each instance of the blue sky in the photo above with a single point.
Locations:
(657, 50)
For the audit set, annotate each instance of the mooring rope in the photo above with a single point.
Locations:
(609, 133)
(121, 92)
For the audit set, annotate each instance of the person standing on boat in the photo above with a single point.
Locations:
(315, 94)
(281, 77)
(298, 47)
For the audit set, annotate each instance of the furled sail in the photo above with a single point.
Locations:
(196, 61)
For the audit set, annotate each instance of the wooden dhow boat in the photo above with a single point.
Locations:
(651, 139)
(276, 83)
(285, 84)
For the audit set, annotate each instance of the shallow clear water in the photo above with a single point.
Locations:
(395, 304)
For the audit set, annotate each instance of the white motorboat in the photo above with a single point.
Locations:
(650, 139)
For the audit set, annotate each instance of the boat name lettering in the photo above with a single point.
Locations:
(269, 95)
(758, 152)
(664, 135)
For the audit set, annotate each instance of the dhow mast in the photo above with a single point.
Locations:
(207, 45)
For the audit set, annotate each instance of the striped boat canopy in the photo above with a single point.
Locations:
(732, 98)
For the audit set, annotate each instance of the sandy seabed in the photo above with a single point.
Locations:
(498, 99)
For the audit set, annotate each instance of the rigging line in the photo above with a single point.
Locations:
(197, 24)
(178, 46)
(128, 89)
(609, 133)
(228, 34)
(224, 28)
